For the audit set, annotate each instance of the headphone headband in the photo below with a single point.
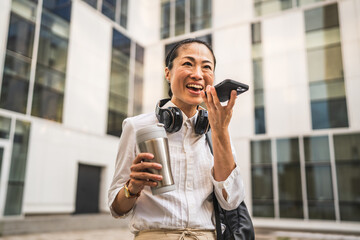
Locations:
(172, 118)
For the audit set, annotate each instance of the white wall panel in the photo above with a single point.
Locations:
(233, 55)
(350, 43)
(144, 20)
(234, 11)
(52, 166)
(287, 104)
(88, 71)
(154, 75)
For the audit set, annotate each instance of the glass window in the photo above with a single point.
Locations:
(259, 111)
(200, 14)
(321, 18)
(24, 9)
(5, 124)
(318, 178)
(305, 2)
(48, 95)
(256, 33)
(14, 197)
(165, 18)
(325, 68)
(289, 178)
(347, 157)
(1, 159)
(179, 17)
(261, 177)
(138, 83)
(21, 36)
(329, 113)
(53, 50)
(325, 63)
(108, 8)
(61, 8)
(119, 83)
(263, 7)
(50, 74)
(15, 83)
(92, 3)
(124, 13)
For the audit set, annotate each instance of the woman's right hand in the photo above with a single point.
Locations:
(141, 175)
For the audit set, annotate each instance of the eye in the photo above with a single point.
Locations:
(208, 67)
(187, 64)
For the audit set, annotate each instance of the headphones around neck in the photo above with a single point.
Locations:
(172, 118)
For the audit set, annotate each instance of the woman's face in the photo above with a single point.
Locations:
(192, 71)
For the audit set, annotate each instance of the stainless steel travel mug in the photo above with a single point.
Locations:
(153, 139)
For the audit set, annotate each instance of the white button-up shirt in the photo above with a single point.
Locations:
(190, 205)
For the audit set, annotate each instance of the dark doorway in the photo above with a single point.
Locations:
(88, 188)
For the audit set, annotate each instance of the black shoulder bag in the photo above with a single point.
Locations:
(238, 221)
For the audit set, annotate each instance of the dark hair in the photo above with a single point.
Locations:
(173, 53)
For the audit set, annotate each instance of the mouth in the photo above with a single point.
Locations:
(195, 87)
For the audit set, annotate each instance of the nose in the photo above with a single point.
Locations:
(197, 73)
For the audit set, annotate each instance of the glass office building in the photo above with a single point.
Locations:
(72, 71)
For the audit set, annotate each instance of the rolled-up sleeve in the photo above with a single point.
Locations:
(234, 188)
(233, 185)
(125, 157)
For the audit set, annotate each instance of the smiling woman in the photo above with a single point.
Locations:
(188, 210)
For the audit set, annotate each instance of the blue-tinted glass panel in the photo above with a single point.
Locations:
(5, 124)
(61, 8)
(200, 14)
(260, 120)
(14, 196)
(165, 19)
(21, 36)
(108, 8)
(347, 157)
(121, 43)
(320, 18)
(92, 3)
(124, 13)
(53, 50)
(330, 113)
(48, 94)
(15, 83)
(289, 178)
(179, 17)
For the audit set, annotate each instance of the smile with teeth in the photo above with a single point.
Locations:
(195, 87)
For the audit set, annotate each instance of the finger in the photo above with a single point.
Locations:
(145, 176)
(143, 166)
(215, 97)
(203, 96)
(140, 184)
(209, 99)
(231, 102)
(141, 156)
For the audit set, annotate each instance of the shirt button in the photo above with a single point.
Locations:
(189, 184)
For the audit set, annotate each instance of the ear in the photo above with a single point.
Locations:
(167, 74)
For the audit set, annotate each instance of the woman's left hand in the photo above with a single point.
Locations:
(219, 116)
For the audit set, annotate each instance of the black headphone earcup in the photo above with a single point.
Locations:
(202, 122)
(177, 120)
(166, 118)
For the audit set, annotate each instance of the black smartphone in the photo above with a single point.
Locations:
(224, 88)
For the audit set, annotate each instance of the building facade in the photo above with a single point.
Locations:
(73, 70)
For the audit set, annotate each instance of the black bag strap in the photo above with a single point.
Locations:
(216, 205)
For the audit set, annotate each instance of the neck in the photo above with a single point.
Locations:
(188, 110)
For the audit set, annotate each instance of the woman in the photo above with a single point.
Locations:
(186, 212)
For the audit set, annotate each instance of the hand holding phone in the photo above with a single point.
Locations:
(224, 88)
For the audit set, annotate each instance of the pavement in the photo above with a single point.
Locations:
(102, 234)
(124, 234)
